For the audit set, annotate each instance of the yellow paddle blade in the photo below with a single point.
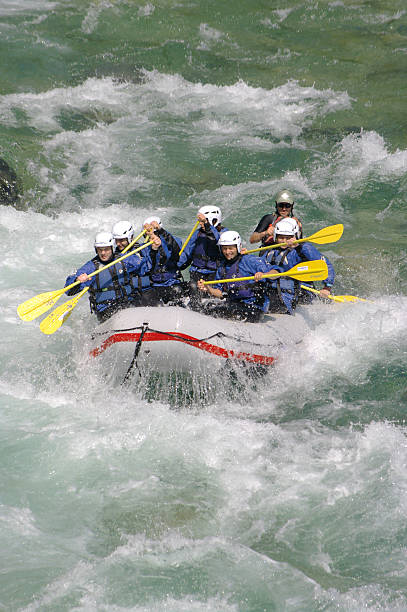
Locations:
(305, 271)
(329, 234)
(353, 298)
(336, 298)
(37, 305)
(53, 321)
(189, 237)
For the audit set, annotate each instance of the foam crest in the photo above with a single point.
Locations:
(281, 111)
(347, 341)
(43, 109)
(20, 521)
(114, 128)
(357, 159)
(12, 7)
(382, 18)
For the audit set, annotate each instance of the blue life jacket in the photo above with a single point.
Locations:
(248, 292)
(240, 291)
(289, 289)
(302, 252)
(202, 252)
(206, 252)
(141, 282)
(115, 284)
(165, 261)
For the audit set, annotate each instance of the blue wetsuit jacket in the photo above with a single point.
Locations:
(248, 292)
(202, 251)
(164, 261)
(117, 284)
(283, 260)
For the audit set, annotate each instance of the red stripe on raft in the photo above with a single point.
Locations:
(190, 340)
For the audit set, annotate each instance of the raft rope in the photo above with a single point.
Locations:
(181, 338)
(136, 352)
(201, 343)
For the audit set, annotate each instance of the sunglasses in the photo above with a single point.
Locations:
(284, 205)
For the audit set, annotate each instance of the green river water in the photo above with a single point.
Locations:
(286, 494)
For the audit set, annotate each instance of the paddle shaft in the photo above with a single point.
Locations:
(335, 298)
(128, 247)
(112, 263)
(306, 271)
(332, 233)
(189, 237)
(245, 278)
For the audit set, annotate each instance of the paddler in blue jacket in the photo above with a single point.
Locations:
(286, 292)
(113, 288)
(202, 251)
(165, 277)
(244, 300)
(123, 234)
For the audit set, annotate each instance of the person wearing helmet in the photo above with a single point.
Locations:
(123, 233)
(264, 231)
(243, 300)
(202, 252)
(113, 288)
(165, 278)
(285, 292)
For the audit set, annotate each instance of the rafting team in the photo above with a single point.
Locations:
(152, 277)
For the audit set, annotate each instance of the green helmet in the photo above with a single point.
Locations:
(285, 196)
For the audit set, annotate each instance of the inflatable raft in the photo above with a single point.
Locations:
(177, 339)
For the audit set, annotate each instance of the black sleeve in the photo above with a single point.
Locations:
(153, 257)
(264, 223)
(172, 243)
(209, 233)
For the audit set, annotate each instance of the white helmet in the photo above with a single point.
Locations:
(104, 239)
(287, 227)
(212, 213)
(229, 238)
(123, 229)
(149, 220)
